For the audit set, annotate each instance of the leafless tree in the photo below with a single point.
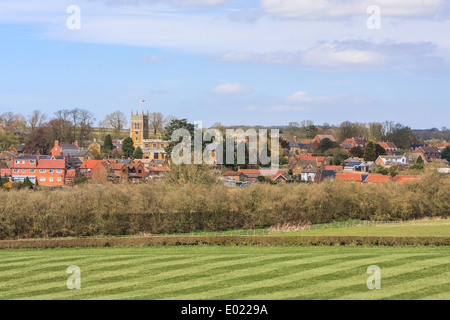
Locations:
(36, 119)
(116, 120)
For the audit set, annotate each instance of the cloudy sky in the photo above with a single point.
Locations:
(251, 62)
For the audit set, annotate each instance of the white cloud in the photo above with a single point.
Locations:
(332, 55)
(317, 9)
(231, 88)
(302, 97)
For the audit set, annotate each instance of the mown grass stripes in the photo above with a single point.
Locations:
(226, 273)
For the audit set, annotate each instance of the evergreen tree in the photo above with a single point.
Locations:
(326, 144)
(107, 144)
(138, 154)
(357, 152)
(370, 153)
(128, 147)
(446, 153)
(27, 183)
(419, 160)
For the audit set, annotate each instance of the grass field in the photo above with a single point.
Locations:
(227, 273)
(409, 228)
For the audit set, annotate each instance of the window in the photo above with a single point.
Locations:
(32, 170)
(154, 146)
(136, 138)
(51, 170)
(17, 162)
(59, 179)
(162, 145)
(23, 161)
(42, 179)
(42, 171)
(50, 179)
(59, 171)
(146, 145)
(16, 171)
(31, 161)
(24, 170)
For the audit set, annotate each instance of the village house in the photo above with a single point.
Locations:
(429, 153)
(156, 172)
(40, 170)
(360, 166)
(389, 161)
(351, 177)
(235, 176)
(390, 147)
(72, 150)
(318, 138)
(376, 178)
(350, 143)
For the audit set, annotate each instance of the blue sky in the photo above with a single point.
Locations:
(264, 62)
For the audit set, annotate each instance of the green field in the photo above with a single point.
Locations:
(227, 273)
(409, 228)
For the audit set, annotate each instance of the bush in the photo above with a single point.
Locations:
(156, 208)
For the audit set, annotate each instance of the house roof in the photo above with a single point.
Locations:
(350, 177)
(324, 136)
(233, 173)
(68, 147)
(293, 144)
(334, 168)
(89, 164)
(51, 164)
(387, 145)
(74, 153)
(430, 149)
(353, 164)
(377, 178)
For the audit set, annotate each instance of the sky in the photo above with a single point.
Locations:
(252, 62)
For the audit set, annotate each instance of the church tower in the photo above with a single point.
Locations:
(139, 128)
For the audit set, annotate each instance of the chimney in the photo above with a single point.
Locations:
(56, 143)
(76, 143)
(295, 138)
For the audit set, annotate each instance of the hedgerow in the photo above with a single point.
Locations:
(157, 208)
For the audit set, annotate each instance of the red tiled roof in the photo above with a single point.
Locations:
(334, 168)
(387, 145)
(348, 177)
(89, 164)
(51, 164)
(377, 178)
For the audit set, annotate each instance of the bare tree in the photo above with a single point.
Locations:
(36, 119)
(7, 119)
(156, 121)
(116, 120)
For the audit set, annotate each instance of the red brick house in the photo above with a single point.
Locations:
(429, 153)
(40, 170)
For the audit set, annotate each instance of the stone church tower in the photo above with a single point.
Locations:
(139, 129)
